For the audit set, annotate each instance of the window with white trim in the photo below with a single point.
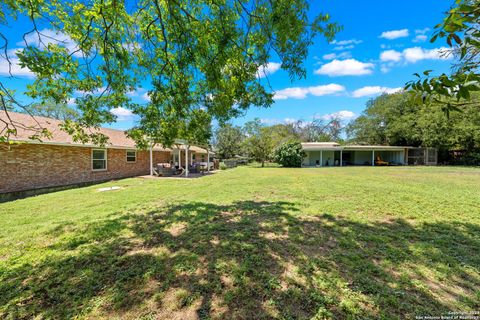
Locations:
(131, 156)
(99, 159)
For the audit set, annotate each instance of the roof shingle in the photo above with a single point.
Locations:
(28, 125)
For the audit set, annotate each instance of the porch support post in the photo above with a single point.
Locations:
(373, 157)
(186, 160)
(341, 156)
(151, 159)
(179, 158)
(321, 158)
(208, 160)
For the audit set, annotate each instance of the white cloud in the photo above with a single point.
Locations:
(270, 121)
(139, 93)
(269, 69)
(146, 97)
(421, 35)
(394, 34)
(14, 68)
(94, 92)
(48, 36)
(348, 67)
(289, 120)
(341, 48)
(391, 55)
(415, 54)
(422, 31)
(302, 92)
(323, 90)
(420, 38)
(295, 93)
(329, 56)
(373, 90)
(343, 115)
(122, 113)
(342, 55)
(392, 58)
(384, 68)
(132, 47)
(71, 102)
(346, 42)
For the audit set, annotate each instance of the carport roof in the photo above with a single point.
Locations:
(329, 146)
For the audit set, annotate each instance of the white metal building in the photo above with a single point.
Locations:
(324, 154)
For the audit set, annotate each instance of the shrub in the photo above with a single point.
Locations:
(223, 166)
(289, 154)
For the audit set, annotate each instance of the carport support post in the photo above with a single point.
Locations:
(321, 158)
(208, 160)
(186, 160)
(179, 158)
(373, 158)
(151, 159)
(341, 156)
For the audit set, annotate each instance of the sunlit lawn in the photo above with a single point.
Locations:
(248, 243)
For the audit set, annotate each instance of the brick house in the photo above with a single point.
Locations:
(59, 161)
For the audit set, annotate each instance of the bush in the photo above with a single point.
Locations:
(289, 154)
(467, 159)
(223, 166)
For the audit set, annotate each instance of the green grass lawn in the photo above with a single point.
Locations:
(248, 243)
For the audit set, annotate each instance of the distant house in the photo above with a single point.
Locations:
(325, 154)
(59, 161)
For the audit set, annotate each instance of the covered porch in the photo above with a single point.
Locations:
(330, 155)
(185, 160)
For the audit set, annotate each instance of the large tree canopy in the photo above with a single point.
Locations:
(258, 142)
(190, 55)
(229, 141)
(396, 120)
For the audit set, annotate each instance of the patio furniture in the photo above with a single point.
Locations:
(193, 168)
(165, 170)
(380, 162)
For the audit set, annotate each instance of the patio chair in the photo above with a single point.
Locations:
(380, 162)
(164, 170)
(193, 169)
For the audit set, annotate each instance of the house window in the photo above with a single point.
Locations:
(131, 156)
(99, 159)
(203, 158)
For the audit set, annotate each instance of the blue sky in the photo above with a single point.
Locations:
(382, 44)
(360, 64)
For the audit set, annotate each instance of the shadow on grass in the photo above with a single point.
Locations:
(247, 260)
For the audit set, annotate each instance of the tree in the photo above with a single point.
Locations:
(281, 133)
(395, 119)
(387, 120)
(318, 130)
(307, 131)
(50, 109)
(258, 142)
(461, 32)
(289, 154)
(190, 55)
(229, 141)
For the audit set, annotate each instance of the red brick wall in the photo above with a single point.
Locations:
(33, 166)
